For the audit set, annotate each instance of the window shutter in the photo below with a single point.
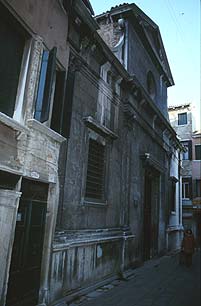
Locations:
(51, 67)
(59, 99)
(95, 171)
(190, 149)
(68, 103)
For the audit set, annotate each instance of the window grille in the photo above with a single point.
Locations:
(95, 171)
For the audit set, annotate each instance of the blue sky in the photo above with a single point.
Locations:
(179, 23)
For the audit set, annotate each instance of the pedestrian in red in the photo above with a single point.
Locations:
(188, 246)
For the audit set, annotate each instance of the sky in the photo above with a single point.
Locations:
(179, 23)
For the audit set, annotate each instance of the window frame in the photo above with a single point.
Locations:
(17, 106)
(184, 190)
(89, 201)
(180, 116)
(198, 146)
(99, 180)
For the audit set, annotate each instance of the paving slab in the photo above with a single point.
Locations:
(160, 282)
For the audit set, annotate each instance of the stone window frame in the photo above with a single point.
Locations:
(107, 105)
(151, 85)
(91, 133)
(184, 193)
(18, 104)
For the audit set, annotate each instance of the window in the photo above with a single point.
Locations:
(62, 104)
(198, 188)
(185, 190)
(107, 109)
(95, 182)
(188, 146)
(151, 85)
(55, 93)
(12, 42)
(182, 119)
(198, 152)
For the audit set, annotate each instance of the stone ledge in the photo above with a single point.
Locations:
(32, 123)
(68, 239)
(102, 130)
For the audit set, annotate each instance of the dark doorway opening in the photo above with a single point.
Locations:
(24, 276)
(150, 223)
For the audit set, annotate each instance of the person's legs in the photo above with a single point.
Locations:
(188, 260)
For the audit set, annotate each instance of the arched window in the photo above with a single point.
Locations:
(151, 85)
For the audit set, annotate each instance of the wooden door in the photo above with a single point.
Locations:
(147, 224)
(24, 277)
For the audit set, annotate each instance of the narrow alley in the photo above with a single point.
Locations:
(159, 282)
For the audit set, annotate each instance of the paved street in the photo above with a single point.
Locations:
(160, 282)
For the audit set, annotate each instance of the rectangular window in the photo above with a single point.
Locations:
(185, 154)
(12, 42)
(95, 171)
(198, 188)
(188, 146)
(185, 190)
(182, 119)
(62, 104)
(107, 109)
(198, 152)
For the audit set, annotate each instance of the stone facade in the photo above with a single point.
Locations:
(100, 237)
(29, 150)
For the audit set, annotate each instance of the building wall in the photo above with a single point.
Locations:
(133, 54)
(53, 27)
(196, 170)
(29, 149)
(183, 131)
(190, 167)
(140, 63)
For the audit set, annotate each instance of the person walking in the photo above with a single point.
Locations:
(188, 246)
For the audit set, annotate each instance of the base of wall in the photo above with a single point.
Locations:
(174, 238)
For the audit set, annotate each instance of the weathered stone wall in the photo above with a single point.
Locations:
(9, 201)
(110, 32)
(29, 149)
(140, 63)
(48, 20)
(83, 261)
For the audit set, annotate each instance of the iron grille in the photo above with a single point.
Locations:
(95, 171)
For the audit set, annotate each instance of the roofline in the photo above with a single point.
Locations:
(179, 106)
(124, 73)
(84, 13)
(135, 9)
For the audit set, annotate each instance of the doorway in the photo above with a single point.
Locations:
(150, 222)
(24, 276)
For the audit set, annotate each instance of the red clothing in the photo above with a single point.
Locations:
(188, 243)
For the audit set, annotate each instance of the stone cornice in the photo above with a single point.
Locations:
(102, 130)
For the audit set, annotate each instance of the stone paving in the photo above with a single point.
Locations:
(159, 282)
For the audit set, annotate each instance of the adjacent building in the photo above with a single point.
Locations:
(33, 57)
(181, 119)
(90, 165)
